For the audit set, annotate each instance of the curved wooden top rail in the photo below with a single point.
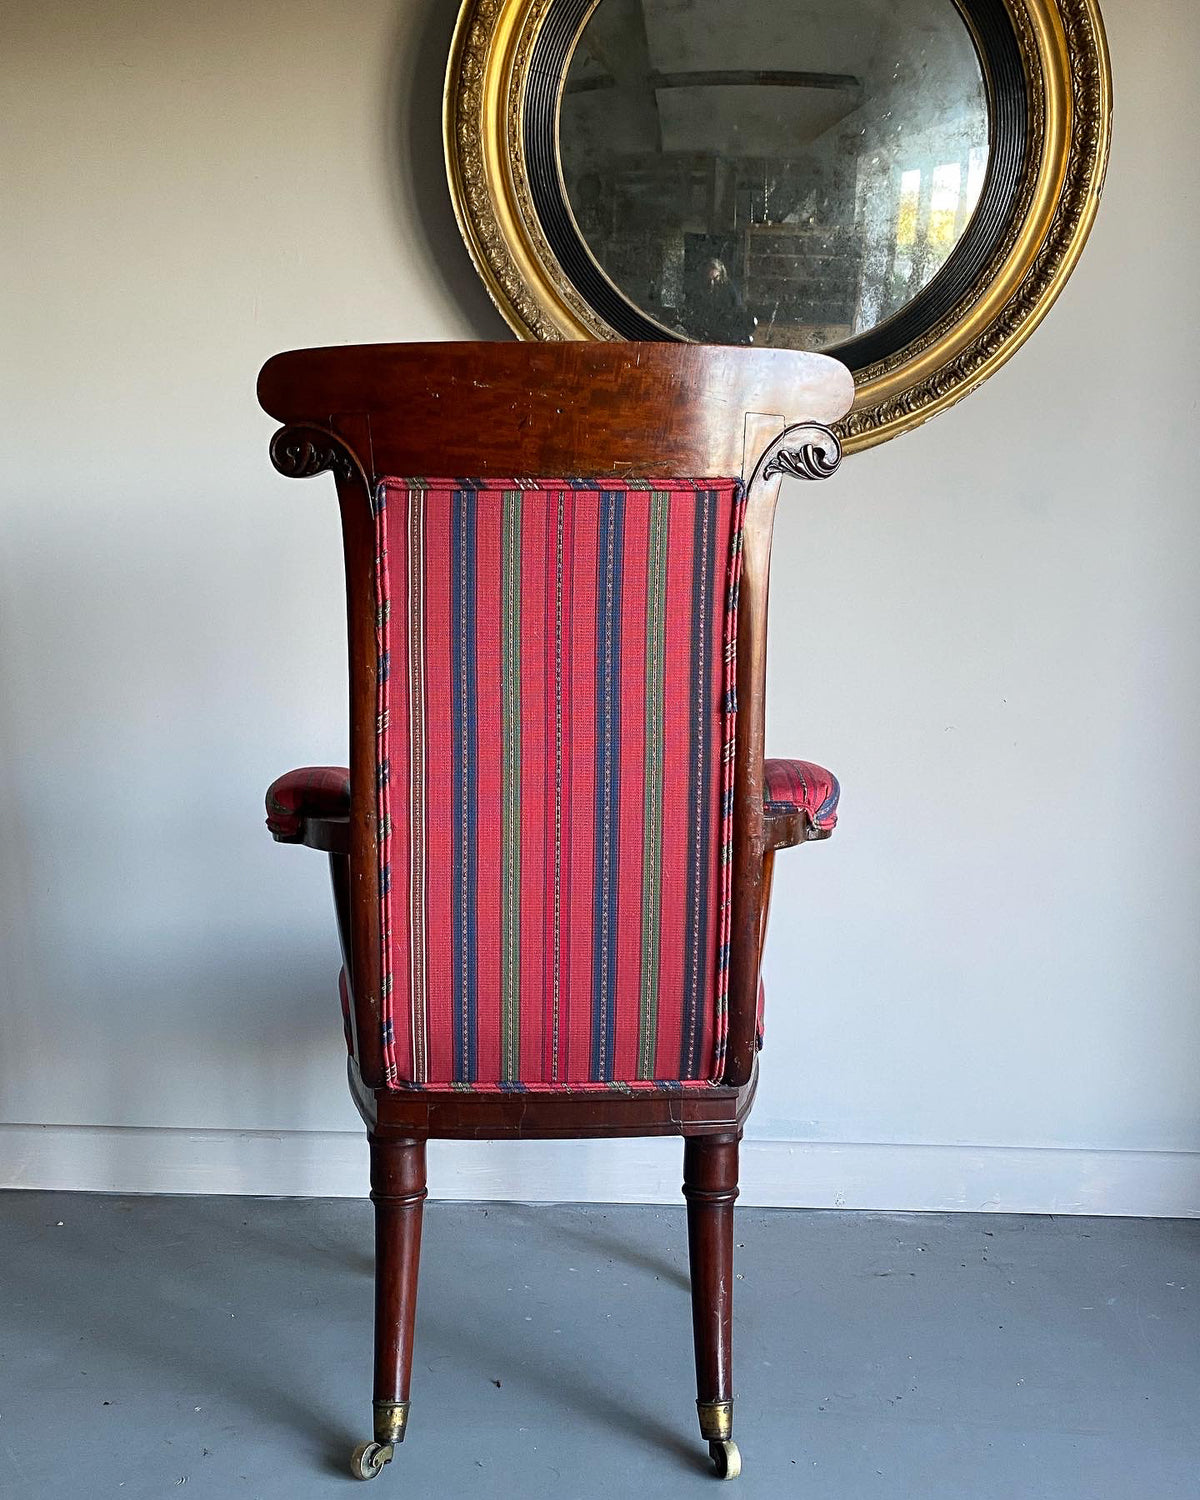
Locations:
(485, 409)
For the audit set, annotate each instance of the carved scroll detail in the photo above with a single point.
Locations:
(806, 450)
(301, 452)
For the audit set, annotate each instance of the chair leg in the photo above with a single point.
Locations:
(710, 1185)
(398, 1192)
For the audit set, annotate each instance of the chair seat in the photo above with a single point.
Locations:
(323, 792)
(792, 786)
(789, 786)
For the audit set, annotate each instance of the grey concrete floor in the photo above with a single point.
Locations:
(221, 1347)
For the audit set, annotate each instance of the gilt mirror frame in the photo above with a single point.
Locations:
(1049, 91)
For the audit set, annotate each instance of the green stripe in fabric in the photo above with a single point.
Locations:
(510, 790)
(652, 778)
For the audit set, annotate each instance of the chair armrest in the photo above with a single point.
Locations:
(800, 802)
(311, 806)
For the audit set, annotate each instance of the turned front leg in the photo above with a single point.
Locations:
(710, 1185)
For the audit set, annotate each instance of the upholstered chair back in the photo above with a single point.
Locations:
(556, 720)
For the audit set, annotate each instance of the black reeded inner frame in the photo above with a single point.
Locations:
(1008, 133)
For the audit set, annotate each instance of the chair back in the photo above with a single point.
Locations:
(556, 709)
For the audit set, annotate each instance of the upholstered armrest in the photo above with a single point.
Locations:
(799, 802)
(311, 806)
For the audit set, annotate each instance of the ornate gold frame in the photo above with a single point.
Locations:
(1065, 57)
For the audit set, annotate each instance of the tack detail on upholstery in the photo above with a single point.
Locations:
(556, 720)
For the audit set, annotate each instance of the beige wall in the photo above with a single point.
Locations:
(983, 992)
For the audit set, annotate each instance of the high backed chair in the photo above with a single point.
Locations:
(552, 850)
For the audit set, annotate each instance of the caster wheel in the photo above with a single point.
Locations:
(727, 1460)
(368, 1459)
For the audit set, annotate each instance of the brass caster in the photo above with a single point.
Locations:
(727, 1460)
(368, 1459)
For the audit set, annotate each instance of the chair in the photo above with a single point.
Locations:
(552, 851)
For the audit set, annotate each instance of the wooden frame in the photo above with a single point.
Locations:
(581, 408)
(1046, 71)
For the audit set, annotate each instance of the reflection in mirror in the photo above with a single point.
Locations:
(787, 172)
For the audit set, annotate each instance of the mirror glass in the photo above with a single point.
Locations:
(768, 172)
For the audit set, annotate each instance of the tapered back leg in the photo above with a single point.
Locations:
(398, 1192)
(710, 1185)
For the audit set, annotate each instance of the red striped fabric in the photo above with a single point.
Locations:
(800, 786)
(308, 792)
(556, 698)
(791, 786)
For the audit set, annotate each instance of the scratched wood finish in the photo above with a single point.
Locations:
(552, 409)
(710, 1185)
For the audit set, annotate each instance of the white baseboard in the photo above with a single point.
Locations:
(787, 1174)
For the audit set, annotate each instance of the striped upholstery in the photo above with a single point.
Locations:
(556, 693)
(792, 786)
(309, 792)
(799, 786)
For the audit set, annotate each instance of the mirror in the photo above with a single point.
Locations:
(906, 184)
(769, 174)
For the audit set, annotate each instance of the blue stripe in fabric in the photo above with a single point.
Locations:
(829, 803)
(703, 604)
(608, 780)
(463, 716)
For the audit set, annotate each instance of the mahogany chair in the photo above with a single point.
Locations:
(552, 851)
